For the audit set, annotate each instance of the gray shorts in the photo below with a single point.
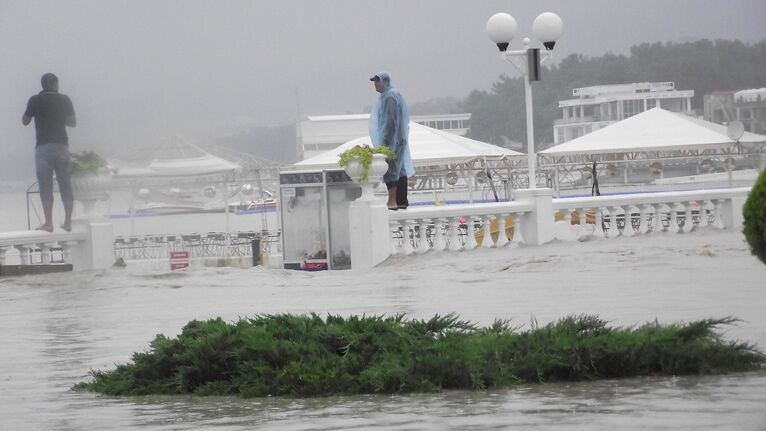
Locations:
(50, 158)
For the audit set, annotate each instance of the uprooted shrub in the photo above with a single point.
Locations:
(303, 356)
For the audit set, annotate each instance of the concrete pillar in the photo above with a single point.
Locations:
(97, 251)
(370, 234)
(537, 225)
(731, 212)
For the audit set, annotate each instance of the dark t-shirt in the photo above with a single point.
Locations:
(50, 111)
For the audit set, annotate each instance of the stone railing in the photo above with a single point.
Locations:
(535, 218)
(36, 247)
(87, 246)
(456, 227)
(628, 215)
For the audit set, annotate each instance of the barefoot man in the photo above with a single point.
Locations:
(52, 112)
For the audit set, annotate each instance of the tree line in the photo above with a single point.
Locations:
(705, 66)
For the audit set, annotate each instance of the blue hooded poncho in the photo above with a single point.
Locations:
(390, 126)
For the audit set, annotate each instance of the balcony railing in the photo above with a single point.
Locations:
(465, 227)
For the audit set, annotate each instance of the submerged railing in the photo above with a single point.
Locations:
(39, 247)
(465, 227)
(198, 245)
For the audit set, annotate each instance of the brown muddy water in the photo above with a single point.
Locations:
(55, 328)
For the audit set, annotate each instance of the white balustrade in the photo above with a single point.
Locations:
(87, 246)
(456, 227)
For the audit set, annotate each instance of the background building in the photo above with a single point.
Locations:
(747, 106)
(598, 106)
(321, 133)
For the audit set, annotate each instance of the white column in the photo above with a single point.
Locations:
(731, 212)
(97, 251)
(537, 225)
(369, 233)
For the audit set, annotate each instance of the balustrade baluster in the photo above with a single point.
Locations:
(502, 236)
(487, 242)
(25, 255)
(643, 215)
(440, 242)
(598, 229)
(454, 237)
(704, 219)
(583, 215)
(45, 254)
(408, 234)
(423, 246)
(470, 241)
(627, 229)
(689, 219)
(614, 228)
(567, 234)
(395, 229)
(518, 238)
(673, 223)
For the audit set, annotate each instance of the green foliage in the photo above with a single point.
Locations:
(364, 154)
(754, 213)
(703, 66)
(86, 163)
(309, 356)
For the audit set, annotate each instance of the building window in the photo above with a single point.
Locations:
(631, 107)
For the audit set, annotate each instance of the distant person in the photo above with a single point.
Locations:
(52, 112)
(390, 126)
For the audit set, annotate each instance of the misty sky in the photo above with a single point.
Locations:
(139, 71)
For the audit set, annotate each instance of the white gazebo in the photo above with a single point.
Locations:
(654, 140)
(442, 160)
(428, 147)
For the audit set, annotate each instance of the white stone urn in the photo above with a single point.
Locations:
(91, 187)
(375, 172)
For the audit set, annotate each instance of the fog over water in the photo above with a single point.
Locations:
(141, 71)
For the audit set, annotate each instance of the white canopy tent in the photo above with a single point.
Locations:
(651, 144)
(176, 158)
(653, 130)
(428, 147)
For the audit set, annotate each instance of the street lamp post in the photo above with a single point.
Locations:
(547, 28)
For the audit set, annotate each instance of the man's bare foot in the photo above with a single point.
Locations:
(45, 227)
(67, 227)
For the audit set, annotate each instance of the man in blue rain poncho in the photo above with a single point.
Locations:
(389, 126)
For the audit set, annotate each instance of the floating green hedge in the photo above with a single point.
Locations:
(754, 213)
(311, 356)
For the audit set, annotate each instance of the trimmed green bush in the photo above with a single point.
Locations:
(310, 356)
(754, 213)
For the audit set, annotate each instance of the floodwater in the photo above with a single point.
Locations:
(55, 328)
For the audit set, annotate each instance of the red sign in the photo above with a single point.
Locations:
(179, 260)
